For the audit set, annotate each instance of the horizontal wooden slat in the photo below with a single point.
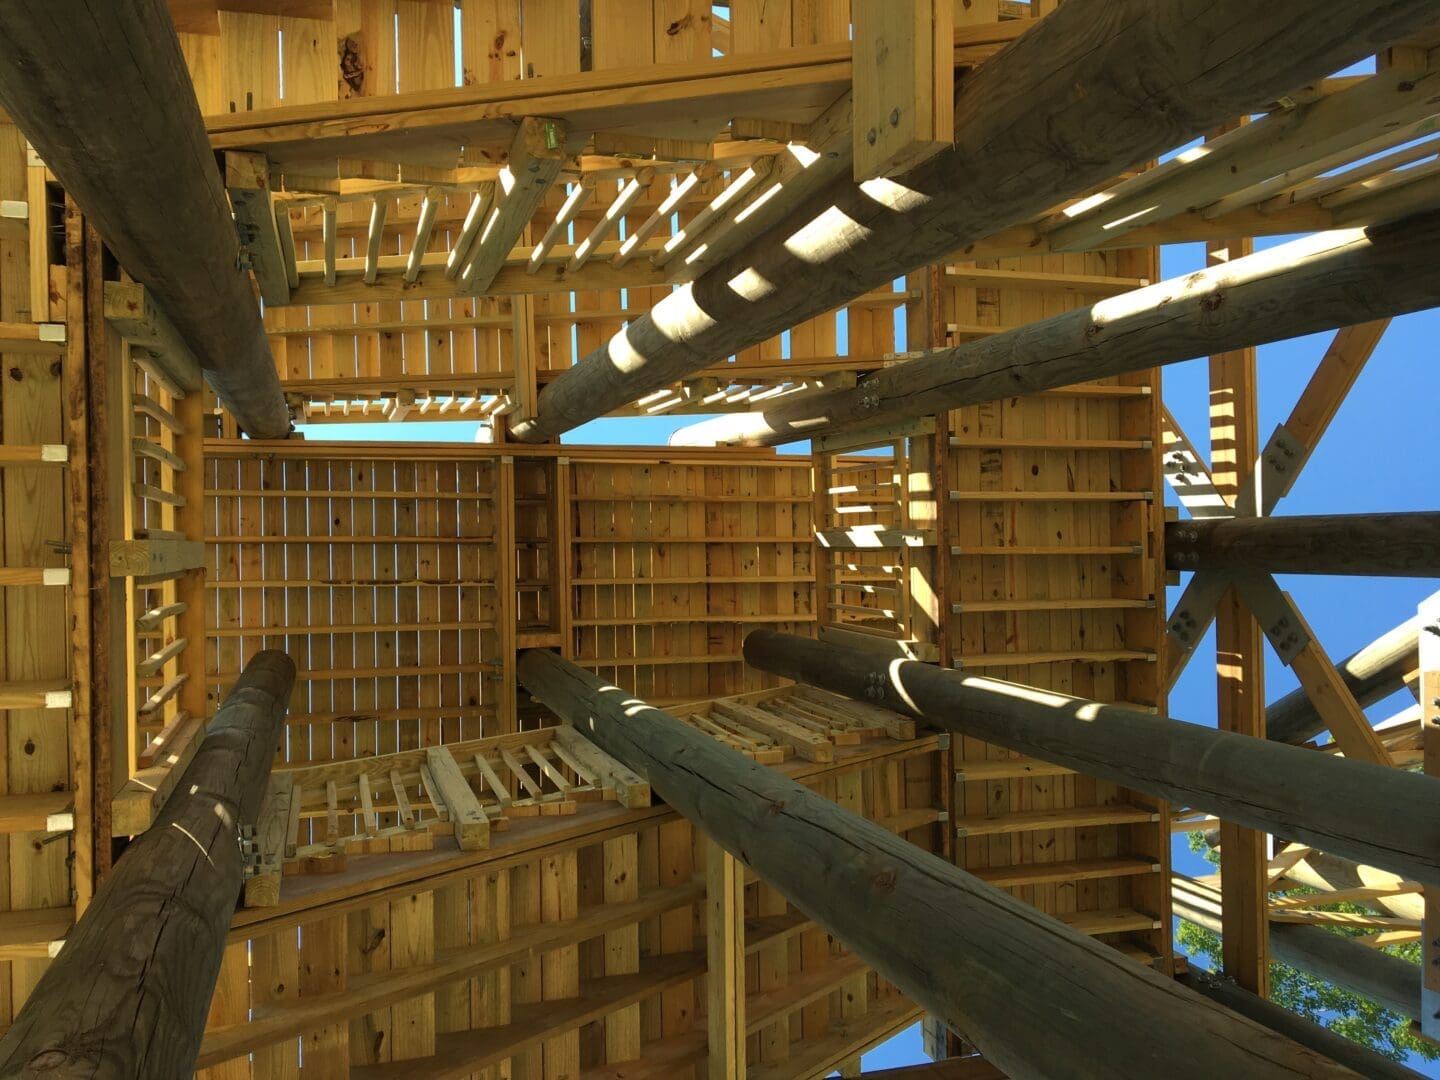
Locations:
(1077, 870)
(1036, 820)
(41, 694)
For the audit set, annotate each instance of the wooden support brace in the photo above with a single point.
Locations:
(904, 85)
(536, 158)
(472, 827)
(147, 558)
(131, 310)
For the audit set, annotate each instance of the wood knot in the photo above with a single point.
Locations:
(884, 881)
(1213, 301)
(777, 808)
(47, 1060)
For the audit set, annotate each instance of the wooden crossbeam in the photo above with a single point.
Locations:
(536, 157)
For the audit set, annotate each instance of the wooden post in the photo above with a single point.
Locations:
(1353, 808)
(904, 96)
(1371, 545)
(1371, 673)
(725, 963)
(983, 961)
(103, 93)
(1318, 283)
(129, 993)
(1430, 733)
(1239, 658)
(1142, 80)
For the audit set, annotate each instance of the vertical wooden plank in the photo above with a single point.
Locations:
(323, 950)
(77, 421)
(904, 85)
(230, 1005)
(412, 943)
(275, 983)
(724, 963)
(560, 968)
(622, 947)
(1239, 661)
(490, 40)
(1430, 733)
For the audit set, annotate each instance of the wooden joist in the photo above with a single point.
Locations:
(42, 694)
(536, 157)
(1006, 124)
(472, 827)
(39, 337)
(148, 558)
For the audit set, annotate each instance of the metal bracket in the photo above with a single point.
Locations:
(1283, 627)
(1275, 473)
(1195, 610)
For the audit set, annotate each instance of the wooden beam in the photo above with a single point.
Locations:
(1239, 656)
(1254, 152)
(1430, 734)
(247, 179)
(1387, 980)
(904, 85)
(1371, 673)
(132, 311)
(1348, 807)
(1007, 125)
(868, 888)
(129, 993)
(1361, 1059)
(170, 227)
(1329, 873)
(1372, 545)
(725, 963)
(1298, 288)
(472, 827)
(536, 158)
(145, 558)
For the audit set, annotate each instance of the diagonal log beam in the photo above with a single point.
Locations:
(1292, 1025)
(1352, 808)
(103, 93)
(1372, 545)
(1318, 283)
(986, 963)
(129, 993)
(1370, 973)
(1141, 77)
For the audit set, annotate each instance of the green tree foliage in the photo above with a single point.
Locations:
(1344, 1013)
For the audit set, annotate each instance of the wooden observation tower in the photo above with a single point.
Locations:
(527, 759)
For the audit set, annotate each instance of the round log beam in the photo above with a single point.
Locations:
(129, 993)
(103, 94)
(1141, 77)
(1367, 812)
(986, 963)
(1362, 1059)
(1371, 545)
(1372, 673)
(1319, 283)
(1372, 974)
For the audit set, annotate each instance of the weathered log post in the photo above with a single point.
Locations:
(1370, 973)
(1142, 77)
(1039, 999)
(1372, 673)
(103, 93)
(129, 993)
(1318, 283)
(1372, 545)
(1353, 808)
(1292, 1025)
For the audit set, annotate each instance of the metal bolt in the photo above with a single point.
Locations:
(894, 117)
(871, 136)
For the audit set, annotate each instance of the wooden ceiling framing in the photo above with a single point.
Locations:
(448, 205)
